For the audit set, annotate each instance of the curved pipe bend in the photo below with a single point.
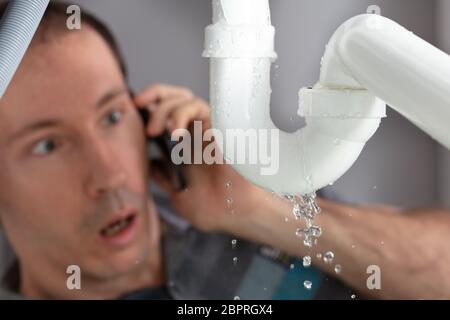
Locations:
(369, 57)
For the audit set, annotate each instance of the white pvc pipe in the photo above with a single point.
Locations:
(366, 52)
(408, 73)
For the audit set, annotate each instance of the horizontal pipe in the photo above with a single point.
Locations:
(408, 73)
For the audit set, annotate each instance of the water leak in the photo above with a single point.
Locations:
(306, 261)
(305, 208)
(338, 268)
(307, 284)
(328, 257)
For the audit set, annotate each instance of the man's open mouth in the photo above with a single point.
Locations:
(122, 230)
(118, 226)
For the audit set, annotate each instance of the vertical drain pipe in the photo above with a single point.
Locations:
(240, 44)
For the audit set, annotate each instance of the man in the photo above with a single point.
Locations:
(74, 192)
(74, 181)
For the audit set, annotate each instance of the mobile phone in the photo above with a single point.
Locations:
(159, 151)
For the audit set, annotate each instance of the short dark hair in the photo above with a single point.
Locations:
(53, 24)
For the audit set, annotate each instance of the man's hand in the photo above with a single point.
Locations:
(410, 248)
(171, 108)
(216, 196)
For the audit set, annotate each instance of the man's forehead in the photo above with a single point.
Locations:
(60, 78)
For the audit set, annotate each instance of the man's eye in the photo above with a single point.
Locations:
(44, 147)
(112, 118)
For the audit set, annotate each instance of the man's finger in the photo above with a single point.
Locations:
(158, 92)
(182, 116)
(161, 113)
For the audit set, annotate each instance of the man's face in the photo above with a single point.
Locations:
(72, 160)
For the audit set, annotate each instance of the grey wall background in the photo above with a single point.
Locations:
(163, 40)
(443, 36)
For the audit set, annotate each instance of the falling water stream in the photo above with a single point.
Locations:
(305, 207)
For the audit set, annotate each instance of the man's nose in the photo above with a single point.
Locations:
(106, 173)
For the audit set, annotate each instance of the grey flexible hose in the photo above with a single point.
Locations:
(17, 28)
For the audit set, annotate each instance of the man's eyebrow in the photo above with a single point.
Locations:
(110, 96)
(39, 125)
(51, 123)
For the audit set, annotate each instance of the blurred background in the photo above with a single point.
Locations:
(162, 41)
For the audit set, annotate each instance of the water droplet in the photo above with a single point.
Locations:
(286, 220)
(233, 243)
(382, 243)
(276, 66)
(229, 184)
(308, 242)
(331, 183)
(237, 298)
(353, 246)
(292, 266)
(307, 284)
(353, 296)
(374, 187)
(235, 260)
(305, 207)
(319, 255)
(229, 201)
(338, 268)
(301, 233)
(296, 212)
(306, 261)
(328, 257)
(315, 231)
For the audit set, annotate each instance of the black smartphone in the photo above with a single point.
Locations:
(159, 151)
